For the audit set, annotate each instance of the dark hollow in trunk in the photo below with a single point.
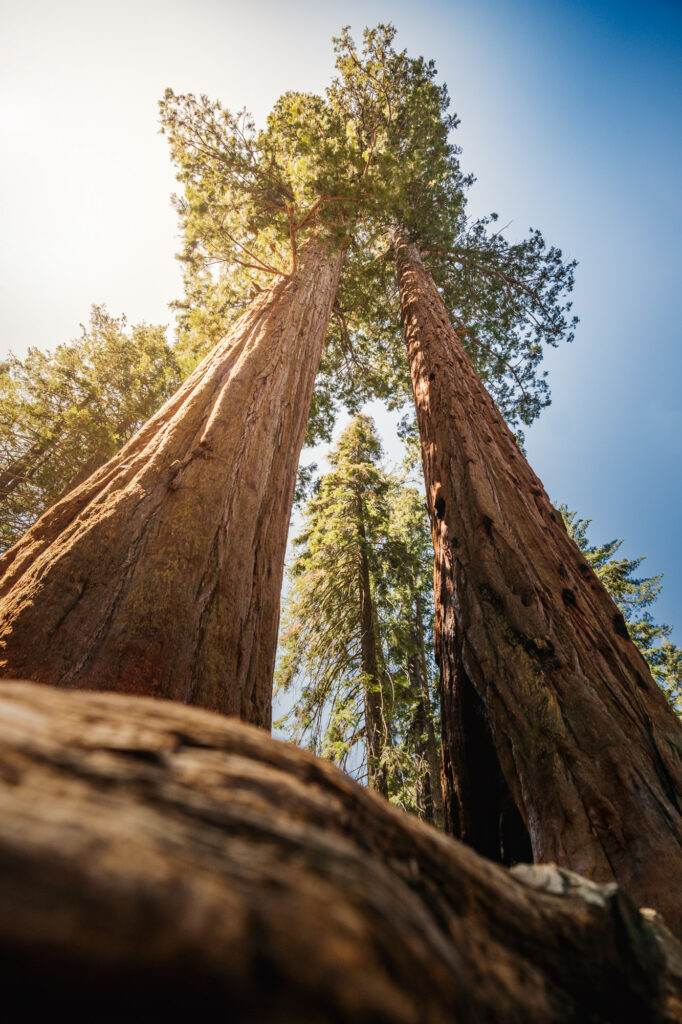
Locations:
(495, 828)
(158, 859)
(552, 723)
(161, 573)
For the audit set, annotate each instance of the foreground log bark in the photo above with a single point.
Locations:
(156, 858)
(555, 735)
(161, 573)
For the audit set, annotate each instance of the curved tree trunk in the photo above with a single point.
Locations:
(161, 573)
(553, 729)
(158, 861)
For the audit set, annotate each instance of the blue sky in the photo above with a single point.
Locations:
(570, 120)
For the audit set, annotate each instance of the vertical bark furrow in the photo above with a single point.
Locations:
(590, 751)
(161, 573)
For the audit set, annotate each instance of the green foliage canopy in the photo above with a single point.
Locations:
(64, 413)
(371, 156)
(507, 300)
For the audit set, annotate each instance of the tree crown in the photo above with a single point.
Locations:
(374, 154)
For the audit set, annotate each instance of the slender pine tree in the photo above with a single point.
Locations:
(331, 634)
(356, 645)
(405, 588)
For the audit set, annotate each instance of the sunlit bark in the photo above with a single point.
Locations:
(161, 573)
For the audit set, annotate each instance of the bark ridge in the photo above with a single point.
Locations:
(555, 734)
(157, 858)
(161, 573)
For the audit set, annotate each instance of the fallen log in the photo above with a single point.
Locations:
(160, 859)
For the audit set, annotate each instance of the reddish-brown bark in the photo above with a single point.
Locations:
(161, 573)
(159, 861)
(554, 731)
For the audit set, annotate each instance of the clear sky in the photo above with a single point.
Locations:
(571, 120)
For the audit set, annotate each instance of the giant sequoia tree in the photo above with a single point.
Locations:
(508, 300)
(553, 729)
(161, 573)
(536, 663)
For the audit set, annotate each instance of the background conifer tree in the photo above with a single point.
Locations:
(356, 639)
(331, 634)
(65, 412)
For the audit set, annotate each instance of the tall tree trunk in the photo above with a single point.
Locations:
(375, 725)
(159, 861)
(161, 573)
(426, 743)
(554, 731)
